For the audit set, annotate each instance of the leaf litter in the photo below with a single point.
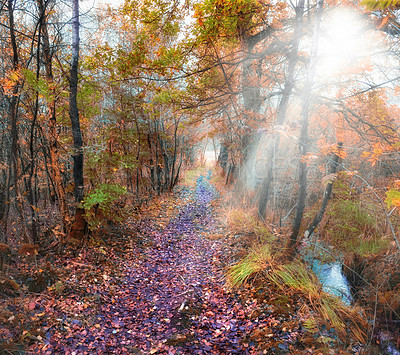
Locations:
(166, 296)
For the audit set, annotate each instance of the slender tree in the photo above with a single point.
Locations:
(282, 109)
(44, 8)
(77, 229)
(304, 138)
(14, 166)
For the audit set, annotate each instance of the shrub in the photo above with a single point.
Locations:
(101, 205)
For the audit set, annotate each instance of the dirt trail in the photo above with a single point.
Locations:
(172, 298)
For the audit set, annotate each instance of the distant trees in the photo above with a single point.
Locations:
(147, 137)
(271, 95)
(135, 102)
(133, 134)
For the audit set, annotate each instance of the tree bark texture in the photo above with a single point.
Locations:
(327, 193)
(73, 106)
(55, 167)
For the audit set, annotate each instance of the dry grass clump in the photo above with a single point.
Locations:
(318, 311)
(244, 222)
(321, 308)
(256, 264)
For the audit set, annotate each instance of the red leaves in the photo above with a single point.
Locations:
(167, 297)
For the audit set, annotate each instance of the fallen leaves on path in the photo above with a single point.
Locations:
(165, 296)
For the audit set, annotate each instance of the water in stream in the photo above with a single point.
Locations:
(332, 279)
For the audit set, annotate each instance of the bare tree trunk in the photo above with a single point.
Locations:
(53, 135)
(282, 110)
(13, 168)
(304, 140)
(172, 182)
(151, 161)
(138, 160)
(180, 165)
(158, 168)
(164, 146)
(29, 182)
(78, 227)
(328, 191)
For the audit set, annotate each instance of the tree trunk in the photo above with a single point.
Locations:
(138, 159)
(78, 227)
(13, 167)
(29, 182)
(304, 140)
(328, 191)
(53, 135)
(282, 110)
(172, 180)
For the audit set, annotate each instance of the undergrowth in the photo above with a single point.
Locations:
(353, 229)
(348, 322)
(264, 266)
(244, 222)
(258, 261)
(318, 310)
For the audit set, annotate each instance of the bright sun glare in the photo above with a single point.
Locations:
(342, 43)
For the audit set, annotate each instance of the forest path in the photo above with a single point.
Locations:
(169, 297)
(174, 300)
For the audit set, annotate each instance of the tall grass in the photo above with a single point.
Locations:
(319, 310)
(258, 262)
(322, 307)
(244, 221)
(353, 228)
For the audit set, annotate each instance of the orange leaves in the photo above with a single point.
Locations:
(8, 83)
(381, 22)
(309, 158)
(379, 149)
(333, 149)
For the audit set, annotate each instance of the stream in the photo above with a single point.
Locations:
(334, 282)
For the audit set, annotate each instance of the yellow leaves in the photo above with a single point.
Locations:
(334, 149)
(393, 198)
(380, 4)
(378, 151)
(8, 84)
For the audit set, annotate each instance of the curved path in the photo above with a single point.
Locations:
(172, 299)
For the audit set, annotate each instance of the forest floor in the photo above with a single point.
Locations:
(153, 286)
